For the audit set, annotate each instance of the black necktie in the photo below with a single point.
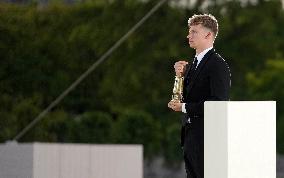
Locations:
(194, 63)
(191, 71)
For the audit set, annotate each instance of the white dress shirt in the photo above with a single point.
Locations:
(199, 57)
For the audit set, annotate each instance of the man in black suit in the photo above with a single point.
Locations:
(207, 79)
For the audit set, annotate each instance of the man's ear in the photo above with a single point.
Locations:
(208, 35)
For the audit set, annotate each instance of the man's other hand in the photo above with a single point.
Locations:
(175, 105)
(180, 67)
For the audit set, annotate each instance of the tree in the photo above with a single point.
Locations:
(268, 85)
(138, 127)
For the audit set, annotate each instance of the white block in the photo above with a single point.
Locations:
(45, 160)
(240, 139)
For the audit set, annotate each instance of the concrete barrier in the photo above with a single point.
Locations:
(46, 160)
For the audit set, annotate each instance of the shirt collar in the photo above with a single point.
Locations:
(202, 54)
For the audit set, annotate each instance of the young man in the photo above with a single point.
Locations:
(207, 79)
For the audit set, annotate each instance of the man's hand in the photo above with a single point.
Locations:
(175, 105)
(180, 67)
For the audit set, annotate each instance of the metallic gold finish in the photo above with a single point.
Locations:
(178, 89)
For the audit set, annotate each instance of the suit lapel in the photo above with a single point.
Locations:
(188, 68)
(199, 67)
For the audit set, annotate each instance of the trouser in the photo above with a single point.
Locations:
(193, 150)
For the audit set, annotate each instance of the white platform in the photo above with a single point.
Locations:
(240, 139)
(42, 160)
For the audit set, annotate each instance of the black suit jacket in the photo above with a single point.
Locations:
(209, 82)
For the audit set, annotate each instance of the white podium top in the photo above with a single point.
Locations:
(240, 139)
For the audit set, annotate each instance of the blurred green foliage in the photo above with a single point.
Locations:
(43, 50)
(268, 85)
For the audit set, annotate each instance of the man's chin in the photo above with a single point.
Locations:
(191, 45)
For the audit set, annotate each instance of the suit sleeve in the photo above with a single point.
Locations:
(219, 83)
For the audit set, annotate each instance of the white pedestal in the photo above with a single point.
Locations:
(240, 139)
(42, 160)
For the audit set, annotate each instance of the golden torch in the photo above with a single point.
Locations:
(178, 86)
(178, 89)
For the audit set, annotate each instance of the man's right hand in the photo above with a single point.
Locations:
(180, 67)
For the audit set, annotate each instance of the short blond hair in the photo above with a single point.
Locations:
(206, 20)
